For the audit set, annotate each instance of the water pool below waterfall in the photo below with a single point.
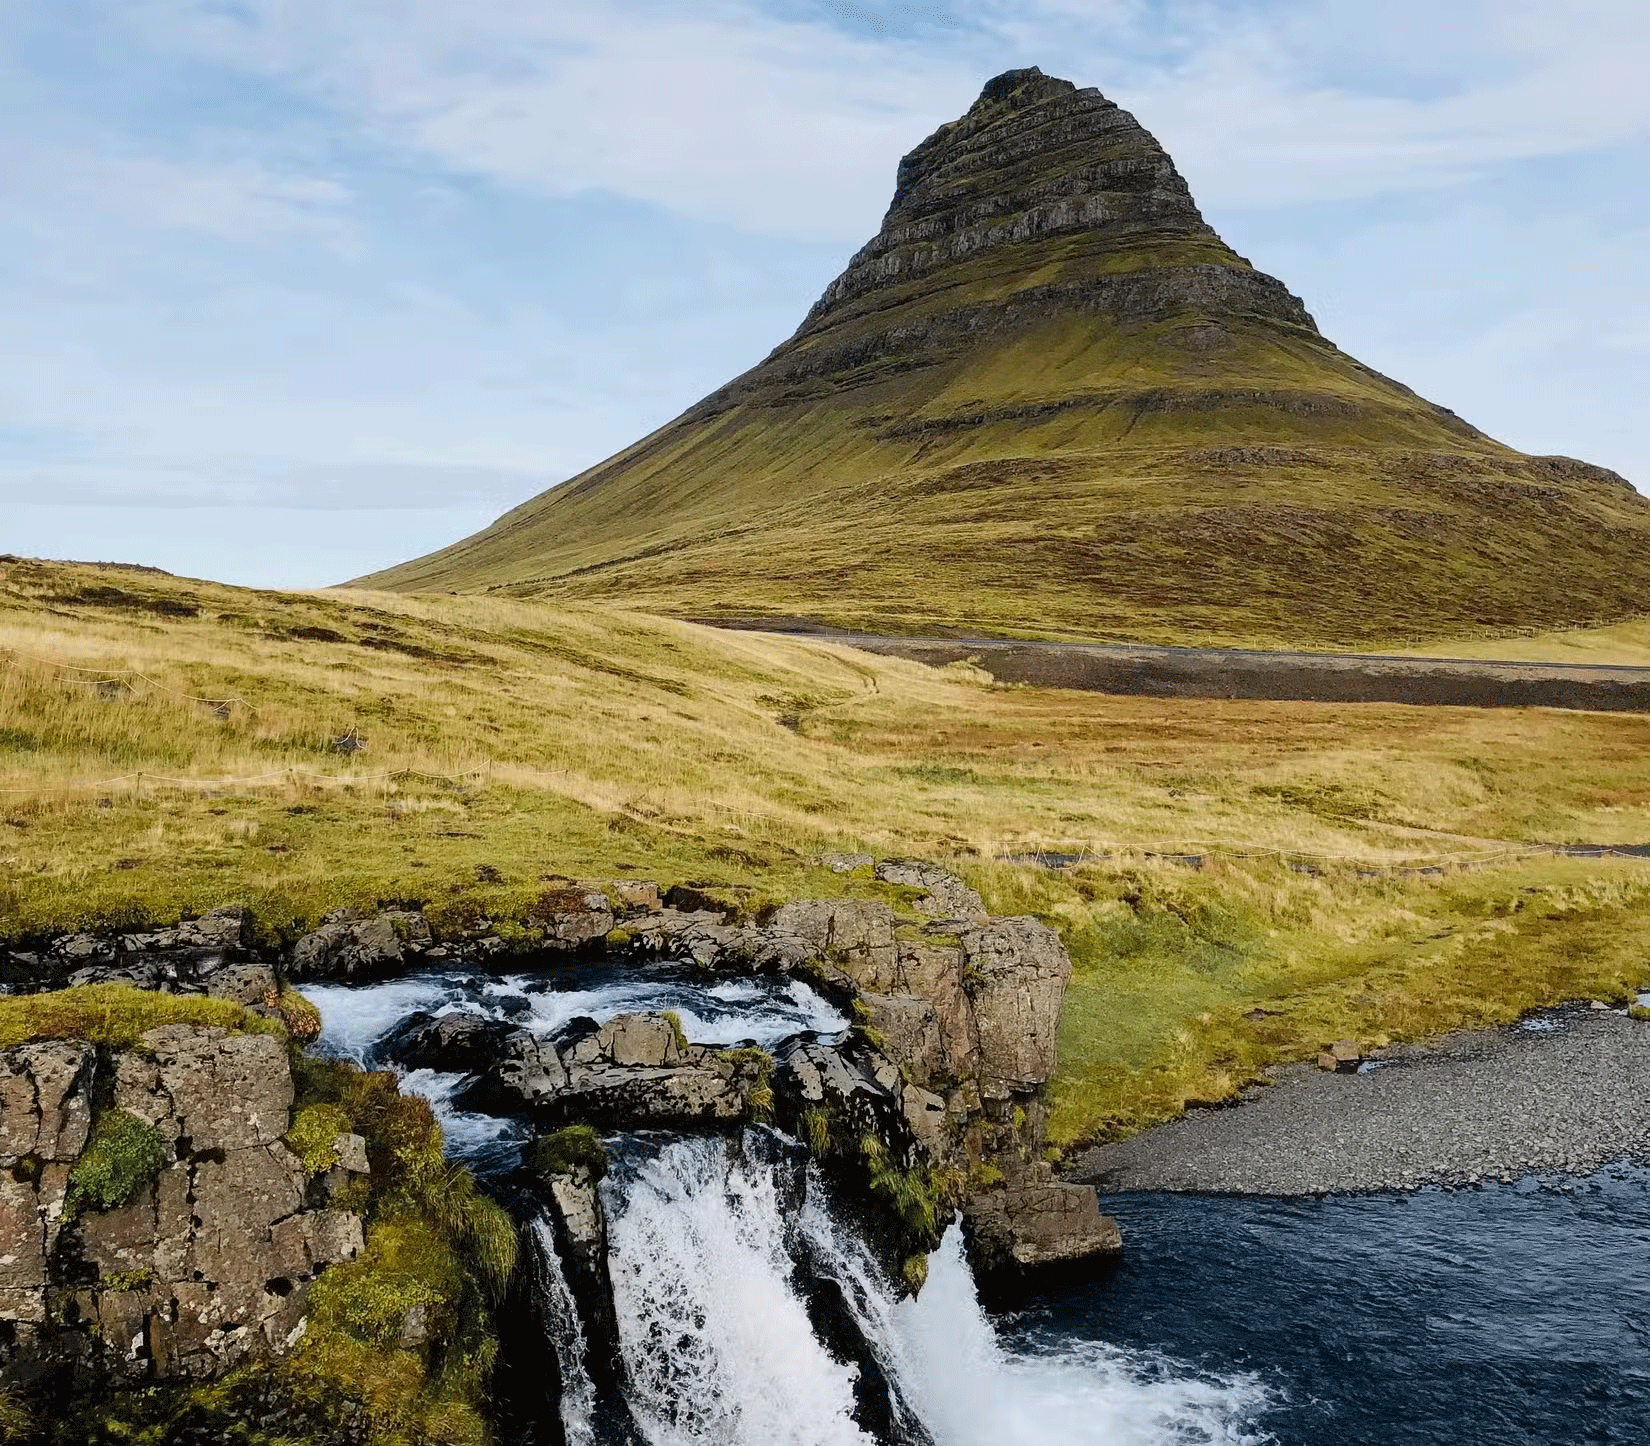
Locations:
(1496, 1316)
(1491, 1317)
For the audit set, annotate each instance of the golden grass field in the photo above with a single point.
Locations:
(168, 745)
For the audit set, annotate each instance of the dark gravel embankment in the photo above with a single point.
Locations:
(1567, 1091)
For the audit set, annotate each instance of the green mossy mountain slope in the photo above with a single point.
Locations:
(1047, 399)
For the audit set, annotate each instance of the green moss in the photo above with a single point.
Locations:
(314, 1133)
(1638, 1011)
(116, 1015)
(124, 1280)
(16, 1424)
(578, 1147)
(123, 1156)
(407, 1271)
(915, 1271)
(674, 1020)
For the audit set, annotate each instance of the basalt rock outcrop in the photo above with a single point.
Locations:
(956, 1019)
(633, 1073)
(209, 1262)
(1069, 408)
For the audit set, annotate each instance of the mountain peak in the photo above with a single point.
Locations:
(1046, 398)
(1034, 159)
(1021, 88)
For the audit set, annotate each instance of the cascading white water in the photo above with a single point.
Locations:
(720, 1350)
(948, 1364)
(717, 1344)
(566, 1332)
(970, 1391)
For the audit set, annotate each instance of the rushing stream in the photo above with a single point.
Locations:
(1482, 1318)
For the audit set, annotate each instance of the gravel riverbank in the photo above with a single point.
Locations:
(1567, 1090)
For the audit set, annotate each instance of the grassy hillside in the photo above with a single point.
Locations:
(166, 746)
(1047, 400)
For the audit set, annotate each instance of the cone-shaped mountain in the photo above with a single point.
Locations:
(1048, 399)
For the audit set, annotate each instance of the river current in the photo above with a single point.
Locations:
(1491, 1317)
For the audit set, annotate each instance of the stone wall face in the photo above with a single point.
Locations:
(209, 1264)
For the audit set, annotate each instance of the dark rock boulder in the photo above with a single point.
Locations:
(459, 1043)
(349, 945)
(526, 1072)
(1018, 1231)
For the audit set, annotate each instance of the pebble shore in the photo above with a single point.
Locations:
(1566, 1091)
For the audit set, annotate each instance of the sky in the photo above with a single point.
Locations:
(295, 289)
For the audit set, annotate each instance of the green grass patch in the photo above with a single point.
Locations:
(577, 1147)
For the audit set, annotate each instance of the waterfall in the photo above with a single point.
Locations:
(565, 1330)
(719, 1348)
(972, 1391)
(718, 1344)
(747, 1312)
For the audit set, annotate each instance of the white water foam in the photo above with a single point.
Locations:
(567, 1340)
(720, 1350)
(354, 1017)
(718, 1345)
(970, 1391)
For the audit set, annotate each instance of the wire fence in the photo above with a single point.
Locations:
(1199, 856)
(105, 679)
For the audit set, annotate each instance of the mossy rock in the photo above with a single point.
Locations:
(578, 1147)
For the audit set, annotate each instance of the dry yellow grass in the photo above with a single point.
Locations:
(168, 745)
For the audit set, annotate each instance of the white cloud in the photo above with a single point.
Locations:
(728, 112)
(719, 112)
(236, 198)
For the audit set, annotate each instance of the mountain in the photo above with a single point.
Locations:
(1047, 399)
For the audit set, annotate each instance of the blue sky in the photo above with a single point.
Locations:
(299, 288)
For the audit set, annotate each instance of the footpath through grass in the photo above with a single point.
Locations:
(167, 746)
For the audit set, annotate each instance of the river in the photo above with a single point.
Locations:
(1488, 1317)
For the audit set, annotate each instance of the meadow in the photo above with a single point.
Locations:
(1256, 878)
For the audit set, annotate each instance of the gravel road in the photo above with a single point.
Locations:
(1566, 1091)
(1162, 672)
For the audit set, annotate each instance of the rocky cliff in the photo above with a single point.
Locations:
(1046, 398)
(175, 1241)
(203, 1234)
(185, 1198)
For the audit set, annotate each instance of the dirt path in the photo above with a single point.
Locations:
(1158, 672)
